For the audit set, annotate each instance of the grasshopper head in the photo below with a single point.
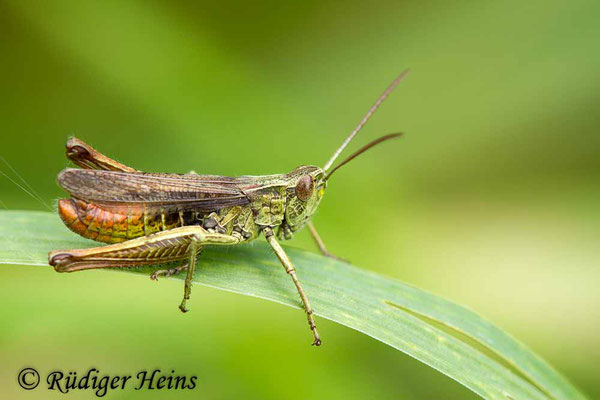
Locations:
(307, 183)
(304, 193)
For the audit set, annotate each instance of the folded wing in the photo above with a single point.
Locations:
(112, 189)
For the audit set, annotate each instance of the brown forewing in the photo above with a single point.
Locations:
(111, 189)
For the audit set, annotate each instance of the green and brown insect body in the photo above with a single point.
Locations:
(151, 218)
(283, 201)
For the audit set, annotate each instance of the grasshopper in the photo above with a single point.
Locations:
(152, 218)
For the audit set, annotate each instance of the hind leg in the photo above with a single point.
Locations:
(168, 272)
(168, 246)
(85, 156)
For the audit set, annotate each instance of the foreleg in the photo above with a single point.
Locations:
(289, 268)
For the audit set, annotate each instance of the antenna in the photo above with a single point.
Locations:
(362, 150)
(365, 118)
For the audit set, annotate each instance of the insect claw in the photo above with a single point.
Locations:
(329, 255)
(317, 342)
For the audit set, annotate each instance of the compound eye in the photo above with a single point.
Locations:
(305, 187)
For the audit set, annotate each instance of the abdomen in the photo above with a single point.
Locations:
(127, 222)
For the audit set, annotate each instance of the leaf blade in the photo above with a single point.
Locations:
(487, 360)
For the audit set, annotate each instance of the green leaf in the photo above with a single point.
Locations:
(443, 335)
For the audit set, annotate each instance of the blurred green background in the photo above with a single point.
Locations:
(491, 199)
